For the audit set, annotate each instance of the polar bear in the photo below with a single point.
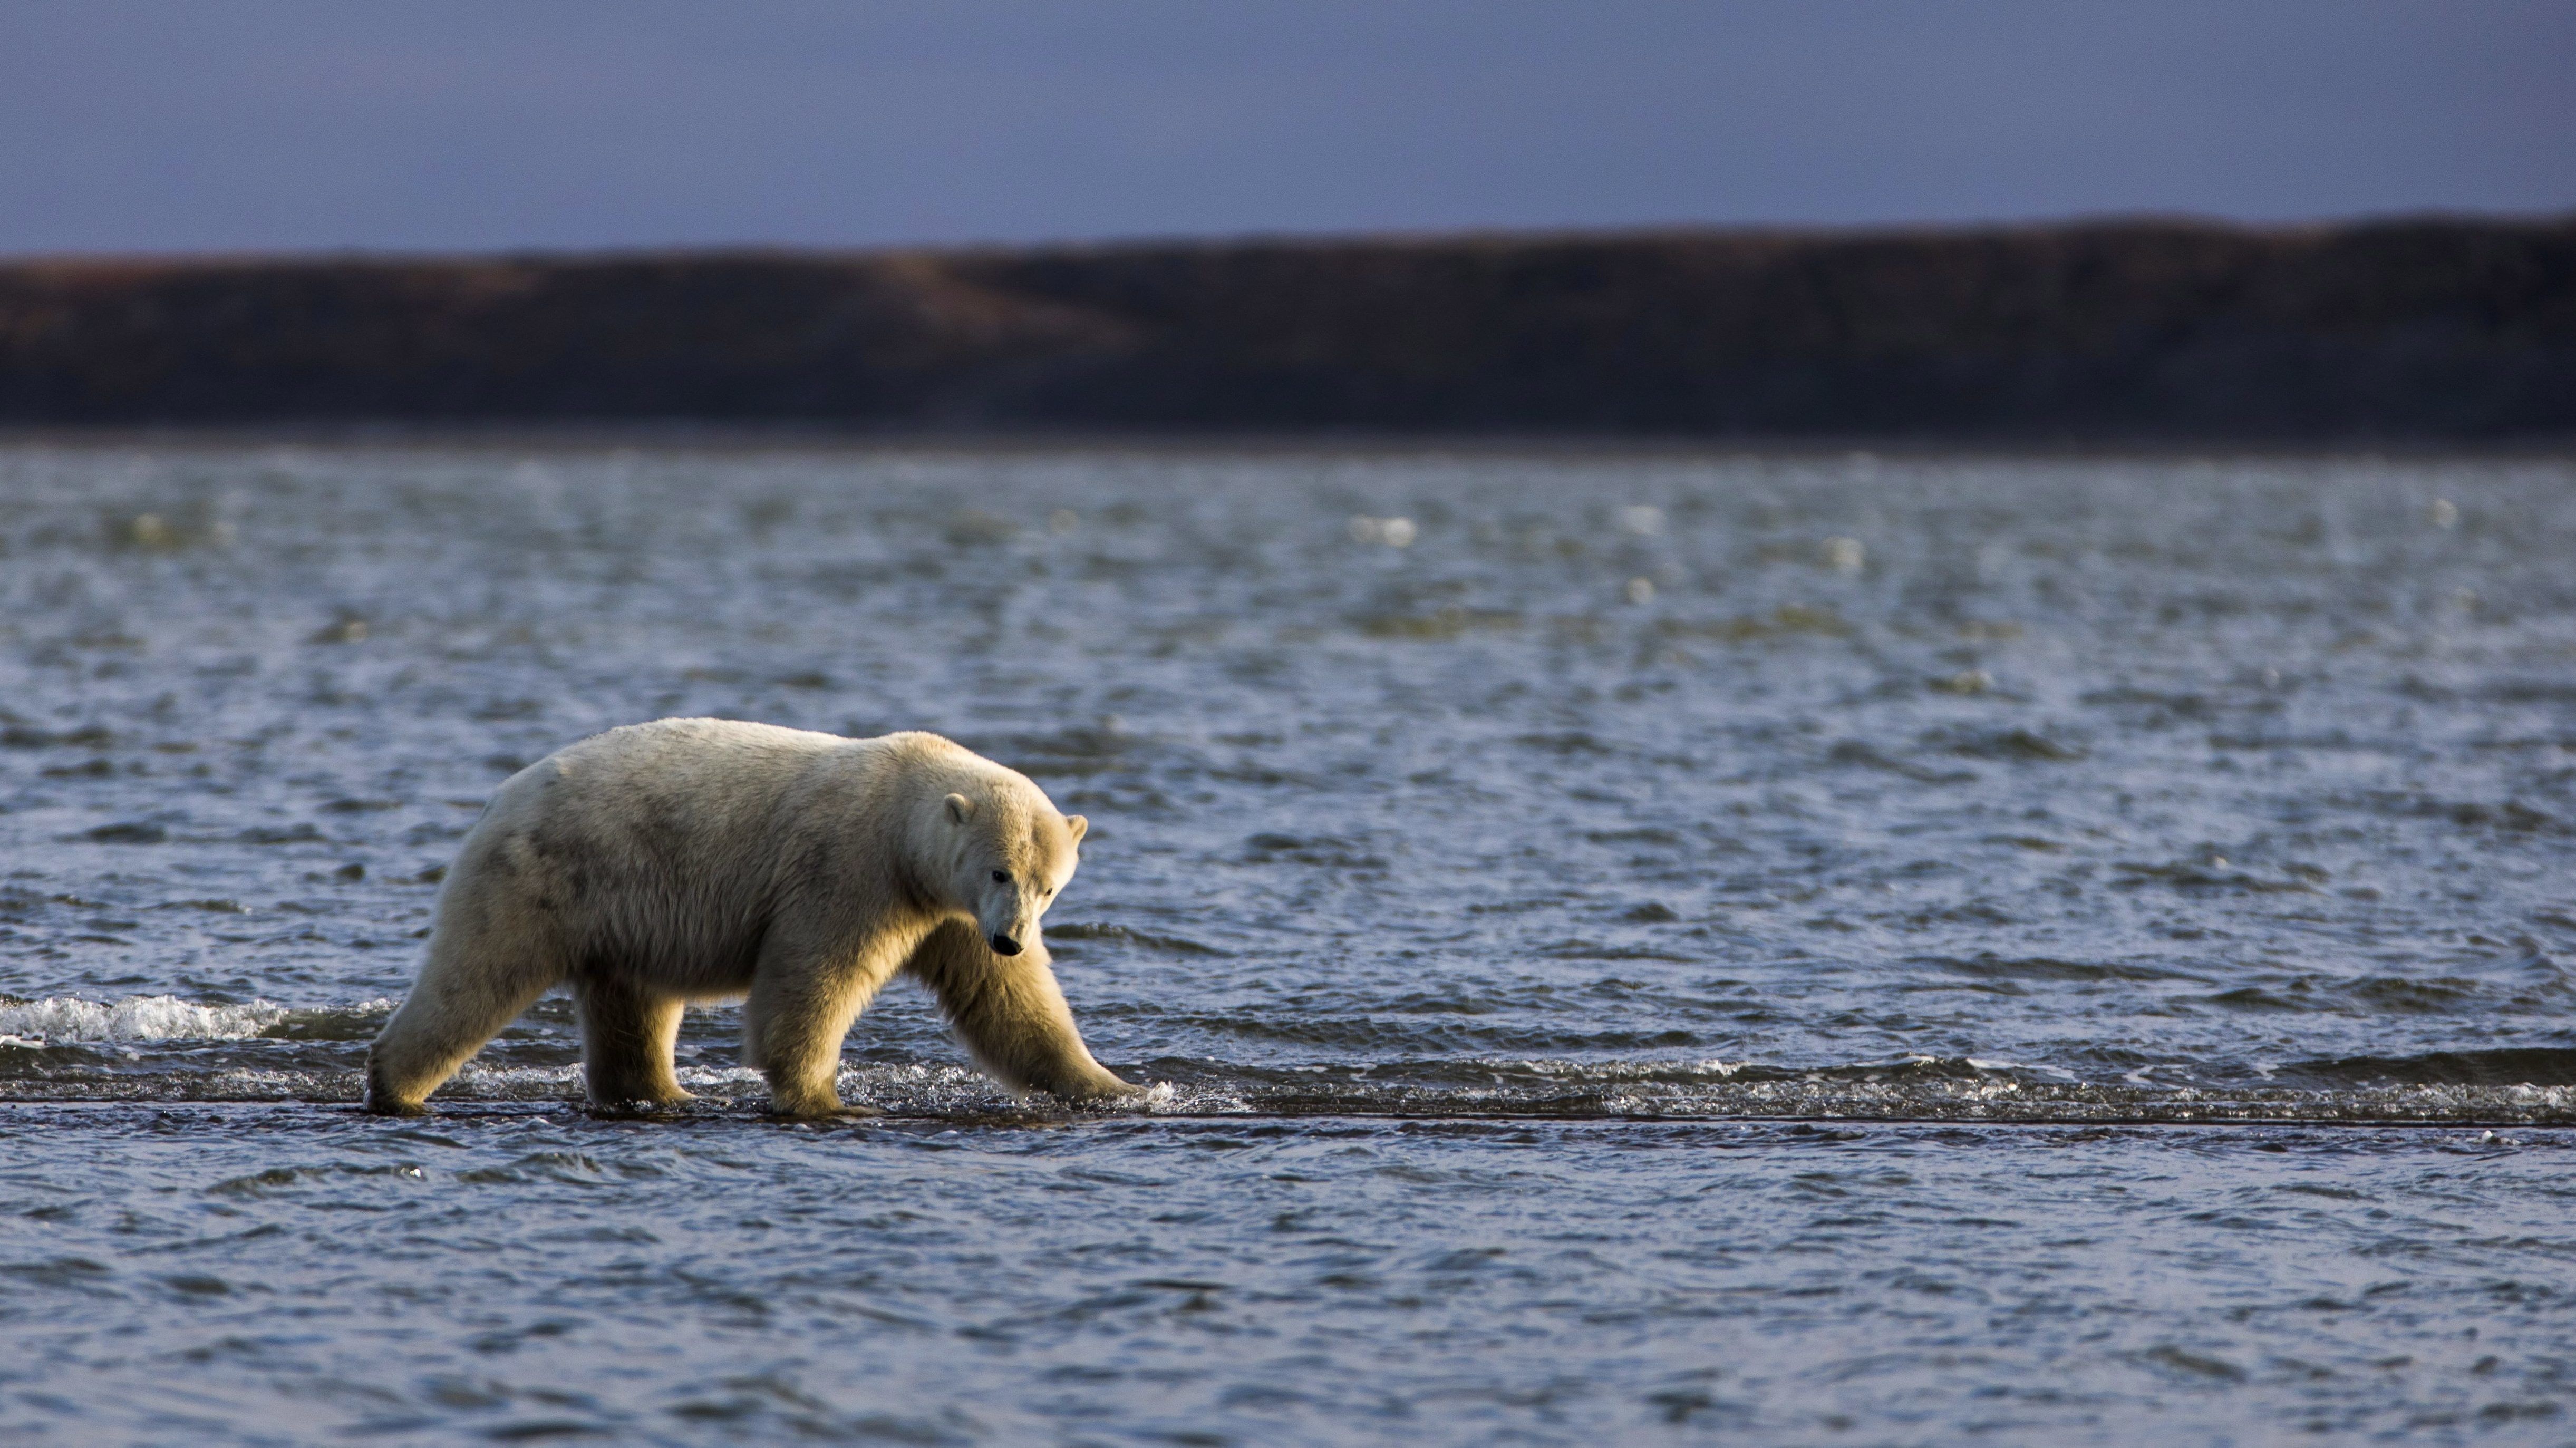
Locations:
(702, 859)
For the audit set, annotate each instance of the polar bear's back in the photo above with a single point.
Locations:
(662, 845)
(699, 784)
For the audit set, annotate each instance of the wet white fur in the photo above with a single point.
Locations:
(705, 859)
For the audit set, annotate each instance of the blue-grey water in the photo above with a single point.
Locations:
(1641, 947)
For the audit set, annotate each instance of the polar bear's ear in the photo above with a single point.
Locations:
(960, 808)
(1074, 825)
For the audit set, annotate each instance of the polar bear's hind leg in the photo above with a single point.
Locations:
(475, 982)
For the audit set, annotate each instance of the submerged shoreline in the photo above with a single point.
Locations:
(165, 1050)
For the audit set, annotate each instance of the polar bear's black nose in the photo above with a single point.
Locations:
(1004, 945)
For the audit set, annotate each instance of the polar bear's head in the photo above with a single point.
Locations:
(1014, 853)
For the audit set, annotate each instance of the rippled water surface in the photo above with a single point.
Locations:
(1853, 949)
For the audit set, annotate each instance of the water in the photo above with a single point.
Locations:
(1648, 946)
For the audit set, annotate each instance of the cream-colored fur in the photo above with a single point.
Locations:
(704, 859)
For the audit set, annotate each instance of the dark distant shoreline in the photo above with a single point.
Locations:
(2398, 332)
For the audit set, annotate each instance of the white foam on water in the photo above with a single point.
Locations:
(1166, 1099)
(517, 1075)
(1983, 1063)
(60, 1020)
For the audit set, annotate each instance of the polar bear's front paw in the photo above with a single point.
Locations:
(1096, 1089)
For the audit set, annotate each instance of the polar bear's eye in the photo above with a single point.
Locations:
(1001, 877)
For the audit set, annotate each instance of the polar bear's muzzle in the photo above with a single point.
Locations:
(1003, 944)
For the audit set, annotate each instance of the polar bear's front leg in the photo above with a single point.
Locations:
(801, 1007)
(1011, 1015)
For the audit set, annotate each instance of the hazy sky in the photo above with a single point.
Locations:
(150, 125)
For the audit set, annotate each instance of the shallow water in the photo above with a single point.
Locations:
(1592, 920)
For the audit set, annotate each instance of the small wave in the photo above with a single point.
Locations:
(2051, 1072)
(1087, 930)
(1989, 965)
(62, 1019)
